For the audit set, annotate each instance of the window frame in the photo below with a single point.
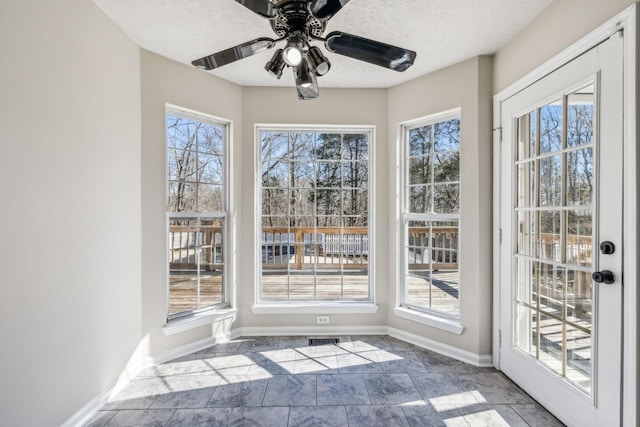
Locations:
(289, 306)
(404, 308)
(221, 307)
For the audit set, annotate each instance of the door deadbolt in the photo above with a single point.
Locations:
(607, 247)
(604, 276)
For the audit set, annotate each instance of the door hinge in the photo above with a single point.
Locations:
(500, 236)
(499, 337)
(499, 130)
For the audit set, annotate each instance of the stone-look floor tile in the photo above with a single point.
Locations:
(292, 342)
(376, 416)
(188, 365)
(321, 351)
(399, 362)
(400, 345)
(318, 416)
(139, 394)
(435, 362)
(227, 347)
(359, 363)
(367, 343)
(193, 381)
(259, 417)
(209, 417)
(493, 387)
(342, 389)
(258, 344)
(100, 419)
(291, 390)
(276, 362)
(147, 417)
(319, 365)
(239, 392)
(195, 398)
(492, 415)
(391, 389)
(444, 389)
(536, 415)
(427, 416)
(230, 364)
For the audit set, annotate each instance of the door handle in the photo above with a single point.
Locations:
(604, 276)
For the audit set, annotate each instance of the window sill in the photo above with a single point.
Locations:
(315, 308)
(449, 325)
(199, 319)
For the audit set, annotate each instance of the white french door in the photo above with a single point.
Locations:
(560, 292)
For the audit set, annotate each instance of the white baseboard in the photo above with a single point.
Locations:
(481, 360)
(263, 331)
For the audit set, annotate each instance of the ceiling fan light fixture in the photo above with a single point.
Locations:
(318, 61)
(276, 65)
(303, 75)
(292, 53)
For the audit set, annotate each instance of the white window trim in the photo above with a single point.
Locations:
(312, 307)
(404, 309)
(195, 318)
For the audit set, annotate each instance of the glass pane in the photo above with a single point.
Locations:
(420, 199)
(331, 221)
(526, 184)
(301, 146)
(580, 117)
(447, 135)
(526, 233)
(580, 177)
(329, 174)
(210, 198)
(181, 133)
(446, 167)
(301, 173)
(527, 136)
(578, 369)
(181, 165)
(550, 181)
(210, 138)
(275, 174)
(550, 342)
(551, 282)
(420, 170)
(182, 197)
(354, 202)
(355, 174)
(525, 338)
(275, 146)
(275, 201)
(551, 127)
(329, 286)
(211, 262)
(210, 169)
(446, 198)
(579, 237)
(549, 237)
(355, 146)
(527, 276)
(420, 141)
(328, 146)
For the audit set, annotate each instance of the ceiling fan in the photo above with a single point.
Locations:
(300, 22)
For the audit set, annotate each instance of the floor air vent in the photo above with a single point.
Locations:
(323, 341)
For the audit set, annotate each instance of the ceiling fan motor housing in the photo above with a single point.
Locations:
(293, 17)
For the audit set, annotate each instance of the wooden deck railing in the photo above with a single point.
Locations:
(187, 244)
(435, 248)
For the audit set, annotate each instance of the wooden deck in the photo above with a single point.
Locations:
(325, 285)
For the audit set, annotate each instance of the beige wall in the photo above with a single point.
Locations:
(165, 81)
(556, 28)
(468, 86)
(70, 296)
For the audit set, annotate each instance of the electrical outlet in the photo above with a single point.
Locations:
(322, 320)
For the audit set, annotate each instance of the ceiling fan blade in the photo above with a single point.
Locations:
(325, 9)
(233, 54)
(263, 8)
(371, 51)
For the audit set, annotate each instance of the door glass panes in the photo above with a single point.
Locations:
(553, 222)
(314, 240)
(431, 238)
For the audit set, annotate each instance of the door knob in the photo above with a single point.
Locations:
(604, 276)
(607, 247)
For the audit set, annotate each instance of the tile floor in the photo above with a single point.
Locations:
(363, 381)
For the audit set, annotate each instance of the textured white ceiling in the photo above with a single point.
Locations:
(442, 32)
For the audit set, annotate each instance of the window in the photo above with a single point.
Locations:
(314, 223)
(431, 214)
(196, 211)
